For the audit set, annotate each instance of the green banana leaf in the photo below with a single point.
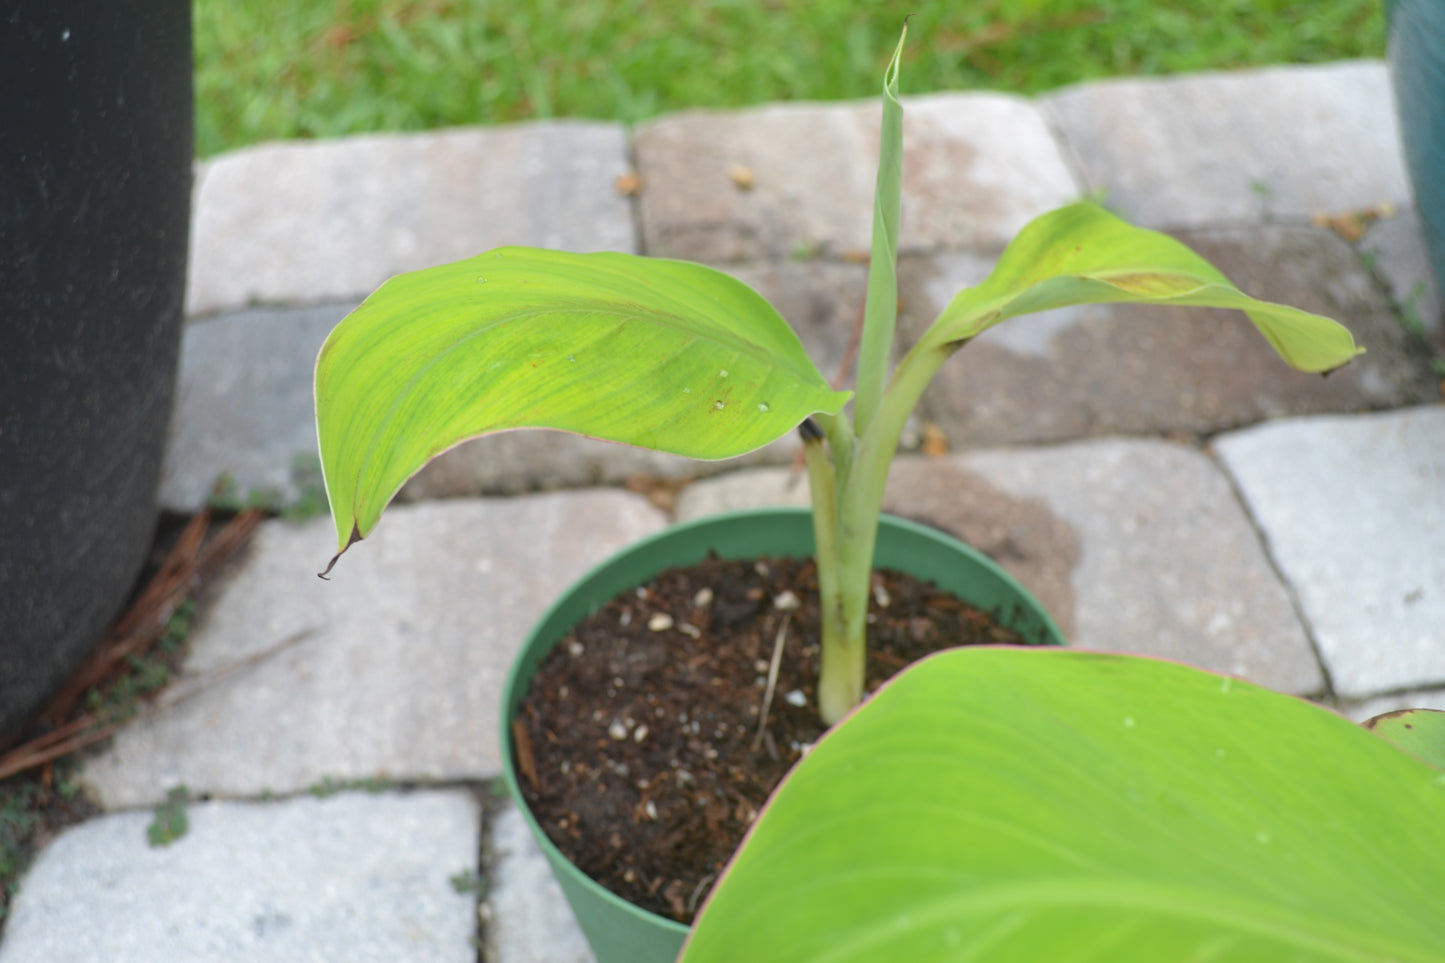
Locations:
(661, 354)
(1082, 254)
(1420, 732)
(1000, 804)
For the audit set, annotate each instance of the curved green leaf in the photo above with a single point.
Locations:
(661, 354)
(1024, 805)
(1420, 732)
(1082, 254)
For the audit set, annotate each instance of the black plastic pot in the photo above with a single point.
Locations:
(1417, 69)
(95, 181)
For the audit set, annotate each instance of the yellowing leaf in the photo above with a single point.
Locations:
(1082, 254)
(661, 354)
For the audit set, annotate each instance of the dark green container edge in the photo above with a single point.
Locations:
(1416, 51)
(902, 544)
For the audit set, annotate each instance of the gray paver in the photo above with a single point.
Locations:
(1167, 563)
(1368, 709)
(528, 919)
(401, 675)
(244, 402)
(1353, 510)
(1278, 143)
(1111, 369)
(977, 167)
(1396, 245)
(300, 223)
(354, 877)
(1020, 534)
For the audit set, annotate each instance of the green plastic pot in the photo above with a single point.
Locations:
(618, 931)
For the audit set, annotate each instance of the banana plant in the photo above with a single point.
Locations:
(681, 358)
(1028, 804)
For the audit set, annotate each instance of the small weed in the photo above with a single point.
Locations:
(805, 251)
(1410, 310)
(226, 497)
(330, 787)
(170, 822)
(469, 881)
(144, 675)
(306, 479)
(31, 812)
(310, 500)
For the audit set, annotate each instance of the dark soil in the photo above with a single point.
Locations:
(638, 744)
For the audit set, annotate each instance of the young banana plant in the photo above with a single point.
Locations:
(678, 357)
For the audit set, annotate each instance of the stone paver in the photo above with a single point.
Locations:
(1396, 247)
(1253, 146)
(356, 877)
(1353, 510)
(299, 223)
(1166, 562)
(527, 917)
(402, 671)
(977, 167)
(244, 402)
(1132, 369)
(1368, 709)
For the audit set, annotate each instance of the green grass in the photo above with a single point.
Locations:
(321, 68)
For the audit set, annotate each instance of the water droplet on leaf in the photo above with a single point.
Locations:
(718, 406)
(723, 373)
(762, 406)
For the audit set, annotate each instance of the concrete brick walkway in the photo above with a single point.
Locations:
(1163, 484)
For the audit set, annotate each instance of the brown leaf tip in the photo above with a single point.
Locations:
(355, 537)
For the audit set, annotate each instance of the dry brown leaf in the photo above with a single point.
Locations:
(742, 177)
(935, 442)
(629, 184)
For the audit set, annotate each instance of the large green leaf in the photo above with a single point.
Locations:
(1082, 254)
(1022, 805)
(661, 354)
(1420, 732)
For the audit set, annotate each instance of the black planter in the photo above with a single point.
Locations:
(95, 179)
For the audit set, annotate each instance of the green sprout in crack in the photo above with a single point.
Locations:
(170, 822)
